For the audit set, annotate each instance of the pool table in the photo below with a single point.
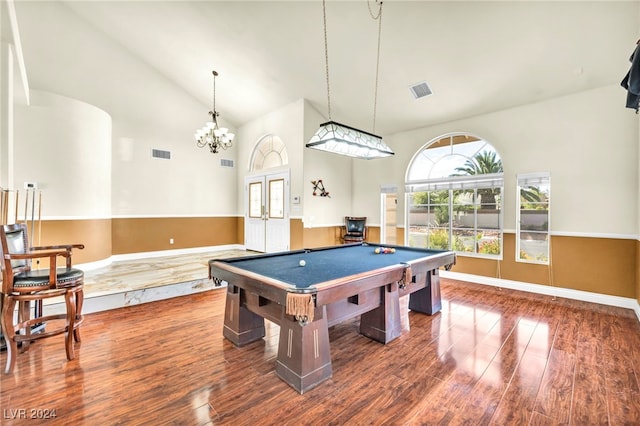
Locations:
(335, 284)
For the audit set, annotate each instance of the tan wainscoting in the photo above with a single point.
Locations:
(134, 235)
(601, 265)
(330, 236)
(95, 234)
(638, 270)
(373, 234)
(598, 265)
(240, 230)
(320, 237)
(296, 234)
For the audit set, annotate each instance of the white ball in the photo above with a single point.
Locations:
(302, 263)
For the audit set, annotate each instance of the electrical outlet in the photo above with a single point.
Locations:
(170, 240)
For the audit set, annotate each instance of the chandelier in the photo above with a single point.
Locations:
(211, 134)
(345, 140)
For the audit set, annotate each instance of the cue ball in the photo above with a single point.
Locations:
(302, 263)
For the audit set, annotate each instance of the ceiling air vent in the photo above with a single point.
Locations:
(226, 163)
(420, 90)
(158, 153)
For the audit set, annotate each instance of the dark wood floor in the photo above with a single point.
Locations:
(490, 357)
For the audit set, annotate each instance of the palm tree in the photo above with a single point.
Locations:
(485, 162)
(532, 196)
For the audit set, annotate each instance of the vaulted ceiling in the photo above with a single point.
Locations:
(476, 56)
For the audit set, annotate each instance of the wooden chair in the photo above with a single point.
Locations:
(21, 285)
(355, 229)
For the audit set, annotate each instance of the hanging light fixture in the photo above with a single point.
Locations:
(341, 139)
(211, 134)
(345, 140)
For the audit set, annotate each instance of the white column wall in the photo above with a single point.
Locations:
(6, 113)
(65, 146)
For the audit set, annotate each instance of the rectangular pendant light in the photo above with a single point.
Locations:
(344, 140)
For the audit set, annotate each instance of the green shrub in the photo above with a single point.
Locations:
(489, 247)
(458, 244)
(524, 255)
(439, 239)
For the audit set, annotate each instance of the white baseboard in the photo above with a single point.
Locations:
(585, 296)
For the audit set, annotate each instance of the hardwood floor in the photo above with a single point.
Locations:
(491, 357)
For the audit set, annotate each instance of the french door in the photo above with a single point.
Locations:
(267, 212)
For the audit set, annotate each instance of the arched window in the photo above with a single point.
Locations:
(454, 187)
(269, 152)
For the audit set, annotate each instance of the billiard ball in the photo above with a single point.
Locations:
(302, 263)
(377, 250)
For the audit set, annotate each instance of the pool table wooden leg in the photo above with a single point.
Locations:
(382, 324)
(241, 326)
(428, 299)
(304, 358)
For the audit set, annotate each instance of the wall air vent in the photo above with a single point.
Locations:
(158, 153)
(420, 90)
(226, 163)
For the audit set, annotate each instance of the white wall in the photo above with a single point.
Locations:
(65, 146)
(588, 141)
(336, 173)
(191, 183)
(370, 175)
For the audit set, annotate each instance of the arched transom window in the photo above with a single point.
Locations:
(454, 191)
(269, 152)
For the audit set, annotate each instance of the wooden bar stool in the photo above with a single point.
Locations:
(21, 285)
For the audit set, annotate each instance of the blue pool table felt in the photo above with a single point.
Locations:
(325, 265)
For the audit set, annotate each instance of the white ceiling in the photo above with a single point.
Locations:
(477, 56)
